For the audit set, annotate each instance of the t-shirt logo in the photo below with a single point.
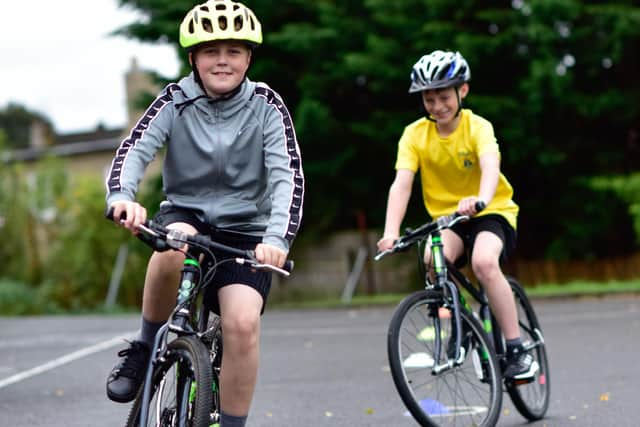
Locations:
(466, 161)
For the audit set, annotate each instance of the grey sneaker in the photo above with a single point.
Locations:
(520, 365)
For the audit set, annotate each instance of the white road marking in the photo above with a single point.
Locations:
(83, 352)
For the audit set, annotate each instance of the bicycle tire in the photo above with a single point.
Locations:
(465, 395)
(176, 377)
(212, 339)
(530, 399)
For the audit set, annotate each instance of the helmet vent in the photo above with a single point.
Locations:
(222, 23)
(237, 23)
(206, 25)
(452, 68)
(221, 6)
(191, 29)
(436, 73)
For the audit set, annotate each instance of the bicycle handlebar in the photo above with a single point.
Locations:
(161, 239)
(413, 236)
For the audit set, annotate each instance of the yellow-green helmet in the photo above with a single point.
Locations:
(220, 20)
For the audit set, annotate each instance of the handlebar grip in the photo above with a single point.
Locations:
(288, 266)
(108, 213)
(480, 205)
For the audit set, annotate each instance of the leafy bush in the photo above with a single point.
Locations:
(628, 189)
(19, 298)
(62, 250)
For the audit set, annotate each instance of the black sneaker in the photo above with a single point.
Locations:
(125, 379)
(520, 365)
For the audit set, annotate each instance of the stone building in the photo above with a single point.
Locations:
(90, 152)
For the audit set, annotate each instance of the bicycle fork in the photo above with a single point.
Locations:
(178, 323)
(443, 282)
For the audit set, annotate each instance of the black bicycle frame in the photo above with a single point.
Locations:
(444, 271)
(489, 322)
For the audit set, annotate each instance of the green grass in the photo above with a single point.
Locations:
(19, 299)
(582, 288)
(551, 290)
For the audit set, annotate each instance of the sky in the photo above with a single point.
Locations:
(58, 59)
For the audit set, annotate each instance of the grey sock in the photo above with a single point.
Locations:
(148, 331)
(231, 420)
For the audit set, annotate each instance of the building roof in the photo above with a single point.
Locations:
(70, 145)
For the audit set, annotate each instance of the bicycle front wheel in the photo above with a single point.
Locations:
(212, 339)
(531, 398)
(180, 389)
(464, 394)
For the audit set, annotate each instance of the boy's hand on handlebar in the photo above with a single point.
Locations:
(129, 214)
(269, 254)
(386, 243)
(467, 206)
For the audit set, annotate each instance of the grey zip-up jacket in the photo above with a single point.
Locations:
(234, 160)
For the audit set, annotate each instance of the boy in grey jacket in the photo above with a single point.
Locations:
(232, 169)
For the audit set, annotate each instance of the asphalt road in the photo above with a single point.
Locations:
(320, 368)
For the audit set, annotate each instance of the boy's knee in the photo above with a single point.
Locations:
(166, 263)
(485, 266)
(241, 326)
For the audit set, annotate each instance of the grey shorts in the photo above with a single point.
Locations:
(229, 272)
(496, 224)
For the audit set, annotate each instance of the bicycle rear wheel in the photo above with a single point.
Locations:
(469, 394)
(180, 389)
(531, 399)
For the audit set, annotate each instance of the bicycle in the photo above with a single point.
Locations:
(181, 386)
(461, 385)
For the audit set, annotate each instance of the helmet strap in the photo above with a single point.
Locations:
(196, 76)
(459, 102)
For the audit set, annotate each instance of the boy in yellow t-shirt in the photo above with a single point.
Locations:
(459, 162)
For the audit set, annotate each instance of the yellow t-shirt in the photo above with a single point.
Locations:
(450, 167)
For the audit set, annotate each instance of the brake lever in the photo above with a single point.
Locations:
(380, 255)
(257, 265)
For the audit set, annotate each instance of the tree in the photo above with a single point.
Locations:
(16, 121)
(555, 77)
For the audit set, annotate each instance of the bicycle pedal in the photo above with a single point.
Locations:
(523, 381)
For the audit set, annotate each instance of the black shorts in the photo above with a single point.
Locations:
(229, 272)
(496, 224)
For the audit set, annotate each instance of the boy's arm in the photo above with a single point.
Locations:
(490, 174)
(286, 178)
(139, 148)
(399, 195)
(490, 167)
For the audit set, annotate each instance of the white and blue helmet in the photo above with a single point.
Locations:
(438, 70)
